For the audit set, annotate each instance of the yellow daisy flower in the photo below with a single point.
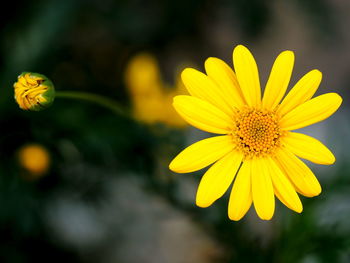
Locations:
(256, 148)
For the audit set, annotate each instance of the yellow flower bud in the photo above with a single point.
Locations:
(34, 91)
(34, 159)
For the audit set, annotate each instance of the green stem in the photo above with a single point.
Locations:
(94, 98)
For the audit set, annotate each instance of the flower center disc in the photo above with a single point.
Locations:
(257, 132)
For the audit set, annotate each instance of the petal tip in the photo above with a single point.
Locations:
(203, 204)
(316, 71)
(289, 53)
(316, 74)
(185, 73)
(209, 62)
(316, 192)
(265, 216)
(235, 217)
(299, 210)
(336, 98)
(298, 206)
(210, 59)
(171, 166)
(331, 160)
(240, 46)
(289, 56)
(239, 49)
(339, 98)
(175, 166)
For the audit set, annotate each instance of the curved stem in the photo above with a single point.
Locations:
(94, 98)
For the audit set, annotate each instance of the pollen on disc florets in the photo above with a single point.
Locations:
(257, 132)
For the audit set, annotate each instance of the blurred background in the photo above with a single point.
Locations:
(79, 183)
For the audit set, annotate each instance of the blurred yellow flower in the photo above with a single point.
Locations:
(34, 159)
(257, 145)
(33, 91)
(151, 101)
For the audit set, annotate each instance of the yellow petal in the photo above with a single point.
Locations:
(226, 80)
(201, 86)
(278, 80)
(247, 75)
(262, 190)
(308, 148)
(298, 173)
(301, 92)
(217, 179)
(241, 194)
(312, 111)
(284, 190)
(202, 114)
(202, 154)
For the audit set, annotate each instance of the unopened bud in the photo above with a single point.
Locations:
(34, 91)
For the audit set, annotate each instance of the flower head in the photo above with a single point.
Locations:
(256, 147)
(34, 91)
